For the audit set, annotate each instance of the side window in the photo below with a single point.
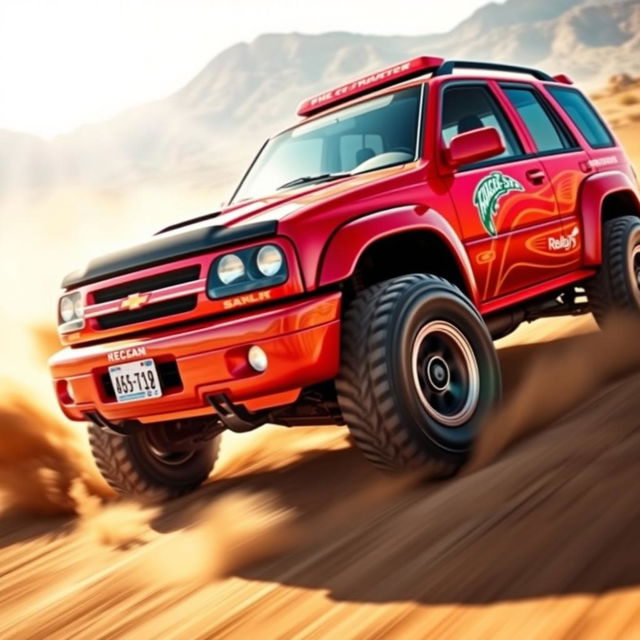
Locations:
(465, 108)
(584, 116)
(546, 133)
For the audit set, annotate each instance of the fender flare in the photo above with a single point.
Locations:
(594, 191)
(351, 240)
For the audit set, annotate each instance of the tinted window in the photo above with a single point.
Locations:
(357, 148)
(375, 133)
(466, 108)
(545, 132)
(583, 115)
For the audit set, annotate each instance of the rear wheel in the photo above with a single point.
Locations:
(141, 464)
(419, 374)
(616, 286)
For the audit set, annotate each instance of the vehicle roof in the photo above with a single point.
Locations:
(396, 74)
(426, 79)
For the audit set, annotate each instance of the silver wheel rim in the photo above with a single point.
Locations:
(445, 373)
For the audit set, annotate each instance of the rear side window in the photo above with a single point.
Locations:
(583, 115)
(546, 133)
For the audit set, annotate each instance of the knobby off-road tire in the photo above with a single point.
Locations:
(133, 466)
(616, 286)
(419, 373)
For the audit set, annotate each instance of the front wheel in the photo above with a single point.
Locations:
(141, 465)
(419, 374)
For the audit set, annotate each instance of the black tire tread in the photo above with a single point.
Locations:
(112, 459)
(364, 391)
(609, 290)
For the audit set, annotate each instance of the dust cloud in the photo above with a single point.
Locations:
(45, 465)
(562, 376)
(41, 460)
(221, 537)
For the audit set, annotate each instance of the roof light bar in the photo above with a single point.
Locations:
(367, 84)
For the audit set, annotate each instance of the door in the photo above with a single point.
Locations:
(506, 205)
(563, 161)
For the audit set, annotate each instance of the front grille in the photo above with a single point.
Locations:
(149, 312)
(168, 375)
(151, 283)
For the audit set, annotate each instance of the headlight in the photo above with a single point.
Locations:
(78, 308)
(67, 309)
(247, 270)
(269, 260)
(71, 313)
(230, 268)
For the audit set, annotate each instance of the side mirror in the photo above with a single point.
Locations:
(474, 146)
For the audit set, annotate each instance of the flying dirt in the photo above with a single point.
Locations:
(295, 536)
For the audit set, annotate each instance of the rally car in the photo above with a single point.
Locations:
(358, 276)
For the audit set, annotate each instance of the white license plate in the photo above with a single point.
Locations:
(135, 380)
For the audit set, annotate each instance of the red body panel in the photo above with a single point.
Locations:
(348, 244)
(594, 190)
(547, 236)
(212, 359)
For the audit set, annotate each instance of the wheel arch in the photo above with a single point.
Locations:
(403, 232)
(605, 196)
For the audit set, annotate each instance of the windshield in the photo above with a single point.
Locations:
(370, 135)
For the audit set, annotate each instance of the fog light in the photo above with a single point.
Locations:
(258, 359)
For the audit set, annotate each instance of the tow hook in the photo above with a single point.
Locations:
(234, 417)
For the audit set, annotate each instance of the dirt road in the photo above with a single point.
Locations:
(296, 537)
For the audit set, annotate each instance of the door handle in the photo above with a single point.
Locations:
(536, 176)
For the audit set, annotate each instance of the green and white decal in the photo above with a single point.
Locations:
(487, 195)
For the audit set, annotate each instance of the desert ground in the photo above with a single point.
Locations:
(296, 536)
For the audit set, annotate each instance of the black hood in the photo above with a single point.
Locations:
(165, 248)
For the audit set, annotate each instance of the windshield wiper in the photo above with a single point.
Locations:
(323, 177)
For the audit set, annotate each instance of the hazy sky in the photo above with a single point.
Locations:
(67, 62)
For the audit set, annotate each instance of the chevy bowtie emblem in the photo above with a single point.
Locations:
(134, 301)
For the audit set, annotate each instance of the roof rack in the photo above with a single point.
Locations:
(447, 67)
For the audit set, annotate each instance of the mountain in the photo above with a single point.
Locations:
(203, 135)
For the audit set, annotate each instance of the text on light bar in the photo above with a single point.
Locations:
(384, 77)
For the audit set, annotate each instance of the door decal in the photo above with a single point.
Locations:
(487, 195)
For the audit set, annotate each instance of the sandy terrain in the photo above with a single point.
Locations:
(296, 537)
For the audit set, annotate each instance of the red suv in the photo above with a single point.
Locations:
(358, 276)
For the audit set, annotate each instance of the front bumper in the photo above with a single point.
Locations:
(301, 340)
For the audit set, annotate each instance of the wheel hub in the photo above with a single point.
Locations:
(438, 374)
(445, 372)
(162, 448)
(171, 458)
